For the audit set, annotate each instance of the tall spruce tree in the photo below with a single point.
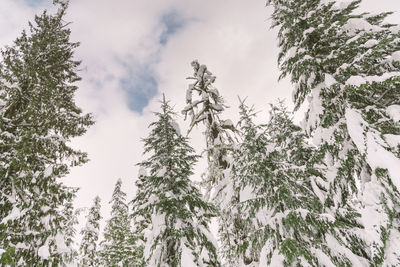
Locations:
(141, 221)
(178, 234)
(88, 250)
(117, 246)
(38, 117)
(347, 66)
(217, 179)
(71, 218)
(277, 173)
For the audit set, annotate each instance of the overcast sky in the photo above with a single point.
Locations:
(132, 51)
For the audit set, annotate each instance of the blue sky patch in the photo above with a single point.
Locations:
(35, 3)
(173, 22)
(140, 86)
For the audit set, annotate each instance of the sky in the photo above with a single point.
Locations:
(133, 51)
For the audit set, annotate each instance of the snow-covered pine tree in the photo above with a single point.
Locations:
(217, 180)
(116, 247)
(88, 250)
(140, 219)
(276, 170)
(71, 220)
(179, 231)
(347, 66)
(38, 117)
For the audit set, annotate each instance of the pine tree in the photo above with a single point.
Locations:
(71, 218)
(277, 173)
(38, 117)
(141, 221)
(347, 65)
(178, 234)
(219, 134)
(116, 246)
(89, 252)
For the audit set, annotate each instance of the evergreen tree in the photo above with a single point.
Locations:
(89, 252)
(178, 234)
(347, 65)
(141, 221)
(71, 218)
(116, 246)
(217, 180)
(277, 173)
(38, 117)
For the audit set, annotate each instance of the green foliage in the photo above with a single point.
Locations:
(178, 215)
(344, 63)
(88, 250)
(38, 117)
(117, 248)
(276, 172)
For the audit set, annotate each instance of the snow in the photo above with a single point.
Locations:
(359, 24)
(246, 194)
(158, 223)
(48, 171)
(142, 172)
(60, 243)
(227, 123)
(392, 250)
(372, 216)
(14, 214)
(162, 171)
(355, 128)
(175, 125)
(394, 112)
(337, 4)
(392, 140)
(337, 247)
(359, 80)
(2, 251)
(44, 252)
(395, 56)
(323, 259)
(187, 258)
(371, 43)
(317, 191)
(379, 157)
(277, 260)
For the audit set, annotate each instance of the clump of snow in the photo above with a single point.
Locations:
(187, 258)
(44, 252)
(359, 80)
(323, 259)
(277, 259)
(355, 128)
(175, 125)
(359, 24)
(60, 243)
(395, 56)
(394, 112)
(379, 157)
(392, 140)
(14, 214)
(392, 253)
(370, 143)
(246, 194)
(337, 4)
(371, 43)
(48, 171)
(162, 171)
(342, 250)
